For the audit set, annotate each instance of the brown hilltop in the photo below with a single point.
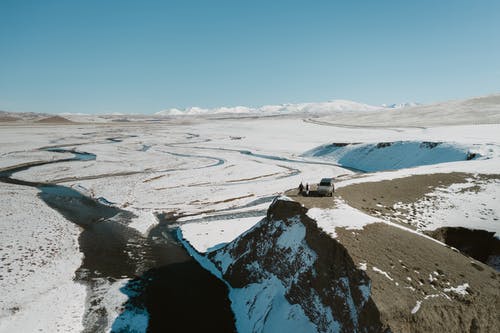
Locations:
(54, 120)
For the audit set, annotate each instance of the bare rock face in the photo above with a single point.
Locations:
(287, 255)
(481, 245)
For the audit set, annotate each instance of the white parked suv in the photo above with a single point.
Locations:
(326, 187)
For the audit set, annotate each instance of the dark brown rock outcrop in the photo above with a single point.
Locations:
(481, 245)
(316, 271)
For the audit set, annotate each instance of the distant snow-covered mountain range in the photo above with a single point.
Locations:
(322, 107)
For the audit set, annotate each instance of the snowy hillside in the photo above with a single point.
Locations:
(473, 111)
(380, 156)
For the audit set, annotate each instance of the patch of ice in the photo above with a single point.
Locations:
(143, 220)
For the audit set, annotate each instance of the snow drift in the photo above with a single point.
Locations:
(381, 156)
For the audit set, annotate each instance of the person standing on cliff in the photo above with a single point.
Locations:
(307, 189)
(301, 188)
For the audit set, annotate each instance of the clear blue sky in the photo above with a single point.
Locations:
(144, 56)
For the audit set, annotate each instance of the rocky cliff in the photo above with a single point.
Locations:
(287, 272)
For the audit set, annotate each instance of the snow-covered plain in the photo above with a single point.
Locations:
(39, 256)
(219, 175)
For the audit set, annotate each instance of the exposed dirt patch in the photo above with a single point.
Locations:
(378, 198)
(415, 279)
(421, 270)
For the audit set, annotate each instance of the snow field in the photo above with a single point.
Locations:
(39, 256)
